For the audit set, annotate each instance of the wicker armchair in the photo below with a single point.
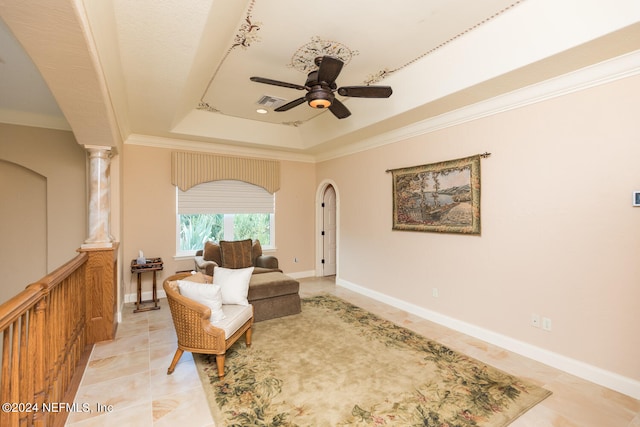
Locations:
(194, 330)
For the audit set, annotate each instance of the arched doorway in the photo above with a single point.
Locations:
(327, 225)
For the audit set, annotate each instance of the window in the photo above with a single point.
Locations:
(224, 210)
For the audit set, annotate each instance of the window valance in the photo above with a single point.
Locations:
(190, 169)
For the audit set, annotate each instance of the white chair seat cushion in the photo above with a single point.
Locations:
(234, 317)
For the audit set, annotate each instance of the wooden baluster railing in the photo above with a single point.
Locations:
(21, 349)
(46, 333)
(65, 343)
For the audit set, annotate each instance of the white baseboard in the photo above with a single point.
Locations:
(591, 373)
(146, 296)
(302, 274)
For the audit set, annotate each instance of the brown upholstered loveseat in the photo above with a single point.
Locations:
(271, 292)
(237, 253)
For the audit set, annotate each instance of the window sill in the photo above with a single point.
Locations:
(183, 257)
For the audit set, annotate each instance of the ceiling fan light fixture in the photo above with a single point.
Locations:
(319, 103)
(319, 97)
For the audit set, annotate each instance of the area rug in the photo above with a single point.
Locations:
(336, 364)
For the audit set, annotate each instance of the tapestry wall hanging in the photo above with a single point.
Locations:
(440, 197)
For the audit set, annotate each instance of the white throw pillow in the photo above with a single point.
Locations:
(234, 283)
(206, 294)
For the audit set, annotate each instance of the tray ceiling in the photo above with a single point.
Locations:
(181, 70)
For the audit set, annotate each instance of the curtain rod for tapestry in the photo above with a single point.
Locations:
(483, 155)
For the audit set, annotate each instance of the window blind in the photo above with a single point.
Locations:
(225, 197)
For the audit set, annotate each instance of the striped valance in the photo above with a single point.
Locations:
(190, 169)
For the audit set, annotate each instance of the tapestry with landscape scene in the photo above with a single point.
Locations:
(439, 197)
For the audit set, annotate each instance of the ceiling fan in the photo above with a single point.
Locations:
(321, 85)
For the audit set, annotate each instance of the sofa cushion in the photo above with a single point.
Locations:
(212, 252)
(206, 294)
(235, 317)
(236, 254)
(271, 284)
(234, 284)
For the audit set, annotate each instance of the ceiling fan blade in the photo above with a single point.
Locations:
(329, 69)
(290, 105)
(277, 83)
(366, 91)
(339, 110)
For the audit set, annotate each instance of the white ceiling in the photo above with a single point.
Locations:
(179, 70)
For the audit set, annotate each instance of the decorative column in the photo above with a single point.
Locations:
(99, 198)
(102, 264)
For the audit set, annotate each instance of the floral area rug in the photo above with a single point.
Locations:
(336, 364)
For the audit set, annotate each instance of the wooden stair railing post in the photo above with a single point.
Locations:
(101, 291)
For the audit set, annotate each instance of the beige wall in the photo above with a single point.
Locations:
(56, 156)
(149, 214)
(559, 235)
(24, 237)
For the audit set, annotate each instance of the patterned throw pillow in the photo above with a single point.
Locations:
(236, 254)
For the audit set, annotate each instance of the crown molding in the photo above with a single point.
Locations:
(216, 148)
(621, 67)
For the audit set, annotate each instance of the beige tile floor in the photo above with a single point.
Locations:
(128, 375)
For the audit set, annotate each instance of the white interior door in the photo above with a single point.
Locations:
(329, 232)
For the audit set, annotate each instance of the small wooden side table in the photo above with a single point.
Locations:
(153, 265)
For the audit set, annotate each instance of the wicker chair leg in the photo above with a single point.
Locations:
(247, 337)
(174, 362)
(220, 363)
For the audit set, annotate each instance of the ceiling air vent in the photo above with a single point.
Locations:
(270, 101)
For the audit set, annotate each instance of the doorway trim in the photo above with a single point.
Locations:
(322, 187)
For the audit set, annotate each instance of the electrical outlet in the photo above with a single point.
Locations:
(535, 320)
(435, 293)
(546, 324)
